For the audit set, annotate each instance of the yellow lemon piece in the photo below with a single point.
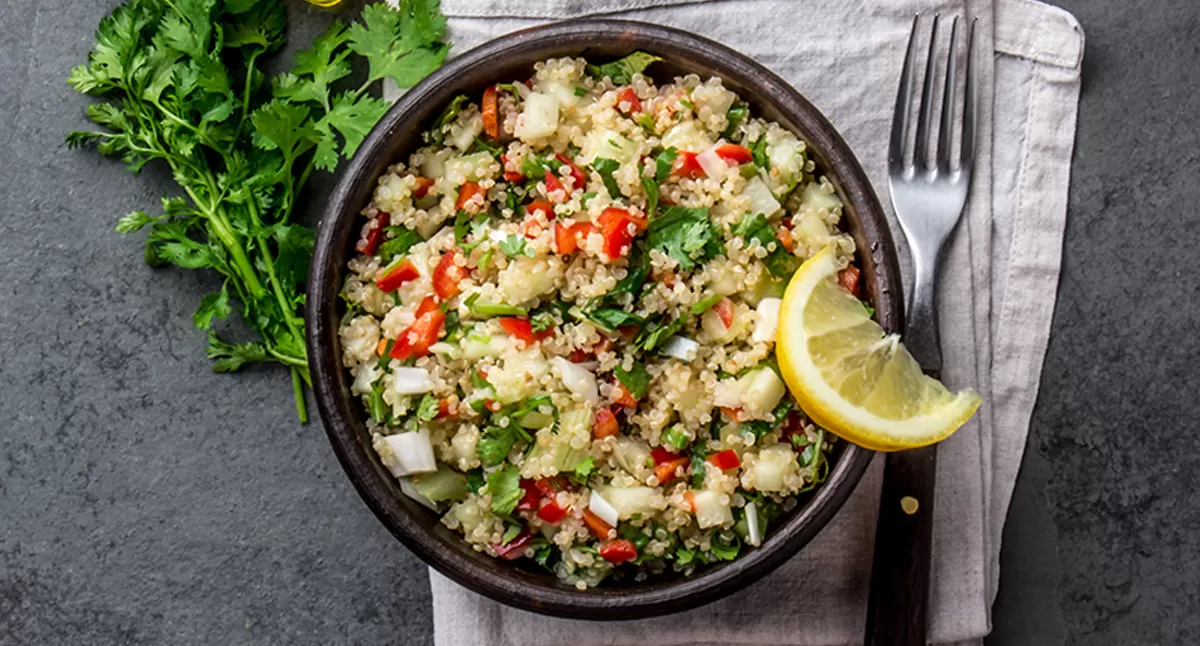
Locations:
(853, 379)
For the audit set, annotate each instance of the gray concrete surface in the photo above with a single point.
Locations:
(145, 500)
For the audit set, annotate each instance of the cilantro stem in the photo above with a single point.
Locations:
(298, 391)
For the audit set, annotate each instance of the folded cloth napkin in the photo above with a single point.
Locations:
(998, 291)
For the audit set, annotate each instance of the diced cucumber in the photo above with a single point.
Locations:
(787, 155)
(817, 199)
(539, 118)
(712, 509)
(761, 199)
(607, 144)
(769, 472)
(686, 135)
(763, 391)
(442, 485)
(629, 501)
(468, 168)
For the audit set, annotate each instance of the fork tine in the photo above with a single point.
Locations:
(967, 157)
(944, 152)
(900, 117)
(921, 150)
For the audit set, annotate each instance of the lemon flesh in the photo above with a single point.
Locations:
(852, 378)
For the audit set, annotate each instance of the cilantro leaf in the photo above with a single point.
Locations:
(686, 234)
(636, 380)
(495, 443)
(754, 227)
(703, 305)
(212, 306)
(401, 44)
(437, 133)
(514, 246)
(606, 167)
(505, 487)
(583, 469)
(656, 332)
(734, 117)
(621, 71)
(663, 164)
(611, 318)
(475, 480)
(698, 463)
(428, 408)
(399, 245)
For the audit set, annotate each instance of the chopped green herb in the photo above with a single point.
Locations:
(726, 551)
(511, 531)
(376, 406)
(505, 487)
(580, 90)
(687, 104)
(699, 460)
(758, 150)
(646, 121)
(587, 197)
(495, 442)
(675, 439)
(605, 168)
(635, 278)
(636, 380)
(544, 552)
(514, 246)
(611, 318)
(754, 227)
(482, 145)
(684, 556)
(705, 304)
(541, 321)
(663, 164)
(486, 259)
(475, 480)
(621, 71)
(686, 234)
(734, 118)
(402, 241)
(477, 381)
(870, 310)
(428, 408)
(655, 332)
(635, 535)
(438, 133)
(583, 469)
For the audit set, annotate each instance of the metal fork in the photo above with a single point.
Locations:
(929, 200)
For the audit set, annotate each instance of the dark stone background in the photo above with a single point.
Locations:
(145, 500)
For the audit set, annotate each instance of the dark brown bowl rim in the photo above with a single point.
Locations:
(343, 416)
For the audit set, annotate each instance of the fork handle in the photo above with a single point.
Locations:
(898, 603)
(921, 335)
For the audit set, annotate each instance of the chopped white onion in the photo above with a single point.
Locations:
(412, 452)
(577, 379)
(603, 509)
(752, 529)
(410, 490)
(496, 235)
(729, 393)
(442, 348)
(761, 198)
(680, 347)
(411, 381)
(712, 164)
(540, 117)
(768, 320)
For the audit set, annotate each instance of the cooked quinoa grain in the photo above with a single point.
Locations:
(561, 321)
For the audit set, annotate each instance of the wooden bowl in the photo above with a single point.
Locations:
(398, 133)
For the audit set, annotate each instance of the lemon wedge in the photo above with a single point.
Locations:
(853, 379)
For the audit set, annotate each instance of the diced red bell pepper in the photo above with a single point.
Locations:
(785, 238)
(665, 472)
(603, 345)
(661, 455)
(489, 111)
(551, 512)
(424, 332)
(447, 275)
(511, 174)
(734, 153)
(428, 304)
(466, 198)
(423, 186)
(724, 309)
(630, 97)
(596, 524)
(515, 548)
(372, 235)
(618, 550)
(576, 173)
(445, 409)
(393, 277)
(606, 424)
(848, 279)
(546, 486)
(615, 225)
(540, 206)
(531, 498)
(555, 189)
(725, 460)
(624, 397)
(734, 414)
(687, 166)
(568, 237)
(691, 499)
(519, 328)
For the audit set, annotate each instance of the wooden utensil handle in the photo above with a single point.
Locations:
(898, 605)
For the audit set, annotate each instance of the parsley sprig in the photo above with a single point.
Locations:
(182, 83)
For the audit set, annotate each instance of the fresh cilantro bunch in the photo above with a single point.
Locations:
(181, 82)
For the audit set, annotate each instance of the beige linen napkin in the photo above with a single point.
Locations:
(998, 292)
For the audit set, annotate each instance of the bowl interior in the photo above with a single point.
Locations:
(398, 133)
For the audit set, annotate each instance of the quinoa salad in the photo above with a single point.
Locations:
(561, 320)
